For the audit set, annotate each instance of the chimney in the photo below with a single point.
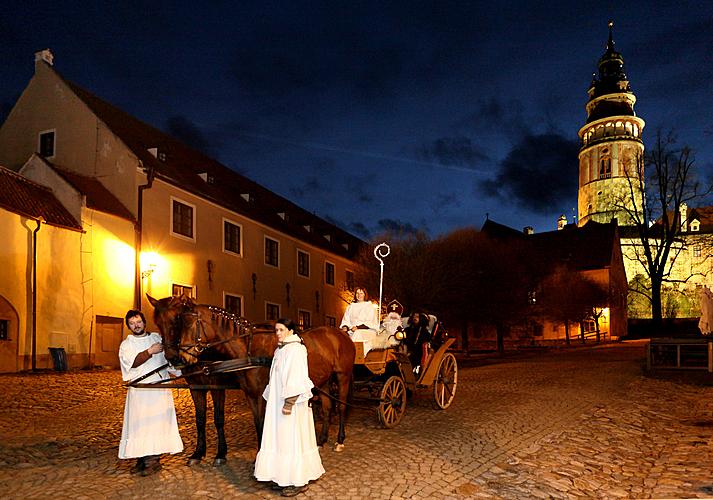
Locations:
(44, 55)
(561, 222)
(683, 210)
(528, 230)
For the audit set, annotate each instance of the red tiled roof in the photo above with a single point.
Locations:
(182, 165)
(25, 197)
(98, 197)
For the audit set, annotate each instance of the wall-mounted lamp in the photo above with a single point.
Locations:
(148, 271)
(149, 263)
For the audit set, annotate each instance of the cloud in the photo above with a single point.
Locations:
(494, 114)
(397, 227)
(445, 201)
(359, 229)
(181, 128)
(539, 174)
(459, 151)
(310, 186)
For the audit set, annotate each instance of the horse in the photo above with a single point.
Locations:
(172, 316)
(188, 328)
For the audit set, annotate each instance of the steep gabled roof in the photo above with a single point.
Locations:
(195, 172)
(24, 197)
(97, 196)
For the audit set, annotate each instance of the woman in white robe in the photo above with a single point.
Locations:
(288, 453)
(361, 319)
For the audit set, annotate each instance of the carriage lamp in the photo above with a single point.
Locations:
(400, 334)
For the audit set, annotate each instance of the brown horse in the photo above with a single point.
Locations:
(189, 328)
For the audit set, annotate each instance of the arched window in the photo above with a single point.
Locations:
(605, 165)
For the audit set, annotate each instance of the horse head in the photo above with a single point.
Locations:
(170, 316)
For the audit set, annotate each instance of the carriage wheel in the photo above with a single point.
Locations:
(444, 387)
(393, 402)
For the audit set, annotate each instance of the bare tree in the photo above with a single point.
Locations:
(658, 183)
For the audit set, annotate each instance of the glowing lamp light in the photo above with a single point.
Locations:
(149, 262)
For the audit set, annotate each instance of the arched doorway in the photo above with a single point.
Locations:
(9, 332)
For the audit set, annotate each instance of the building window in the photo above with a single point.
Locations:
(233, 304)
(4, 329)
(697, 251)
(605, 168)
(350, 281)
(182, 219)
(232, 241)
(304, 319)
(303, 263)
(332, 321)
(272, 252)
(695, 225)
(177, 290)
(272, 311)
(329, 273)
(46, 145)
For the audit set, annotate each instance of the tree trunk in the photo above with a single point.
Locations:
(566, 332)
(656, 301)
(500, 331)
(581, 331)
(596, 327)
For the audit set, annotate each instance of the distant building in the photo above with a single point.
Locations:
(127, 210)
(590, 252)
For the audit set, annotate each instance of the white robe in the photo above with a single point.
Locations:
(150, 426)
(288, 452)
(361, 313)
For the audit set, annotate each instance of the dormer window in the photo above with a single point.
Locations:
(46, 143)
(695, 225)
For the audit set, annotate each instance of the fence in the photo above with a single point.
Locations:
(680, 354)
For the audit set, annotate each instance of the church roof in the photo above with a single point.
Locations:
(182, 166)
(24, 197)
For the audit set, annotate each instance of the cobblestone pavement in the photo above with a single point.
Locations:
(571, 423)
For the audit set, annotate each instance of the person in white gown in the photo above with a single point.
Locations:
(288, 454)
(361, 319)
(150, 427)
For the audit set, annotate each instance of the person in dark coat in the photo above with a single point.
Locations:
(417, 335)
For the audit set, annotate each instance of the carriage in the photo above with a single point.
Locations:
(388, 377)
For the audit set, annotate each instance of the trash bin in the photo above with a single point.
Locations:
(59, 358)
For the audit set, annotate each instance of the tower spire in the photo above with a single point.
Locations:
(610, 42)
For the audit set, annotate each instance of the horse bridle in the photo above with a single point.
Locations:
(243, 326)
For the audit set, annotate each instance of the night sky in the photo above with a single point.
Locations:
(382, 115)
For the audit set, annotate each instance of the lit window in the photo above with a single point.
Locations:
(182, 221)
(47, 144)
(332, 321)
(329, 273)
(303, 263)
(178, 290)
(234, 304)
(605, 168)
(272, 311)
(232, 238)
(304, 319)
(272, 252)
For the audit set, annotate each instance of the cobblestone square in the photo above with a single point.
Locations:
(583, 422)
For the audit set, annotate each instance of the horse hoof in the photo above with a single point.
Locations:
(219, 461)
(338, 447)
(193, 461)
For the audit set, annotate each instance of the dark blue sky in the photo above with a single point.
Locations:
(375, 115)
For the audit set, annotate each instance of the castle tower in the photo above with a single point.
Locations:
(611, 150)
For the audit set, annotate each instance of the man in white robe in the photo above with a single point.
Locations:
(288, 453)
(150, 427)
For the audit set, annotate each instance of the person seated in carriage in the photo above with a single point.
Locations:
(361, 319)
(418, 337)
(393, 321)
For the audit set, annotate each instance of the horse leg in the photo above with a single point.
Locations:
(344, 381)
(199, 402)
(257, 406)
(326, 405)
(218, 397)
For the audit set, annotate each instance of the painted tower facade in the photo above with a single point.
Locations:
(611, 153)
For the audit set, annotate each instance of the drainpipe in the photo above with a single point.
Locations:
(39, 221)
(139, 219)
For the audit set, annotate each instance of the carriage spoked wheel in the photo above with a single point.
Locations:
(444, 386)
(393, 402)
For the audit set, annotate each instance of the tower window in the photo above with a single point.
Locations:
(605, 168)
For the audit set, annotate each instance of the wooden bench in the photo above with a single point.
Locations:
(680, 354)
